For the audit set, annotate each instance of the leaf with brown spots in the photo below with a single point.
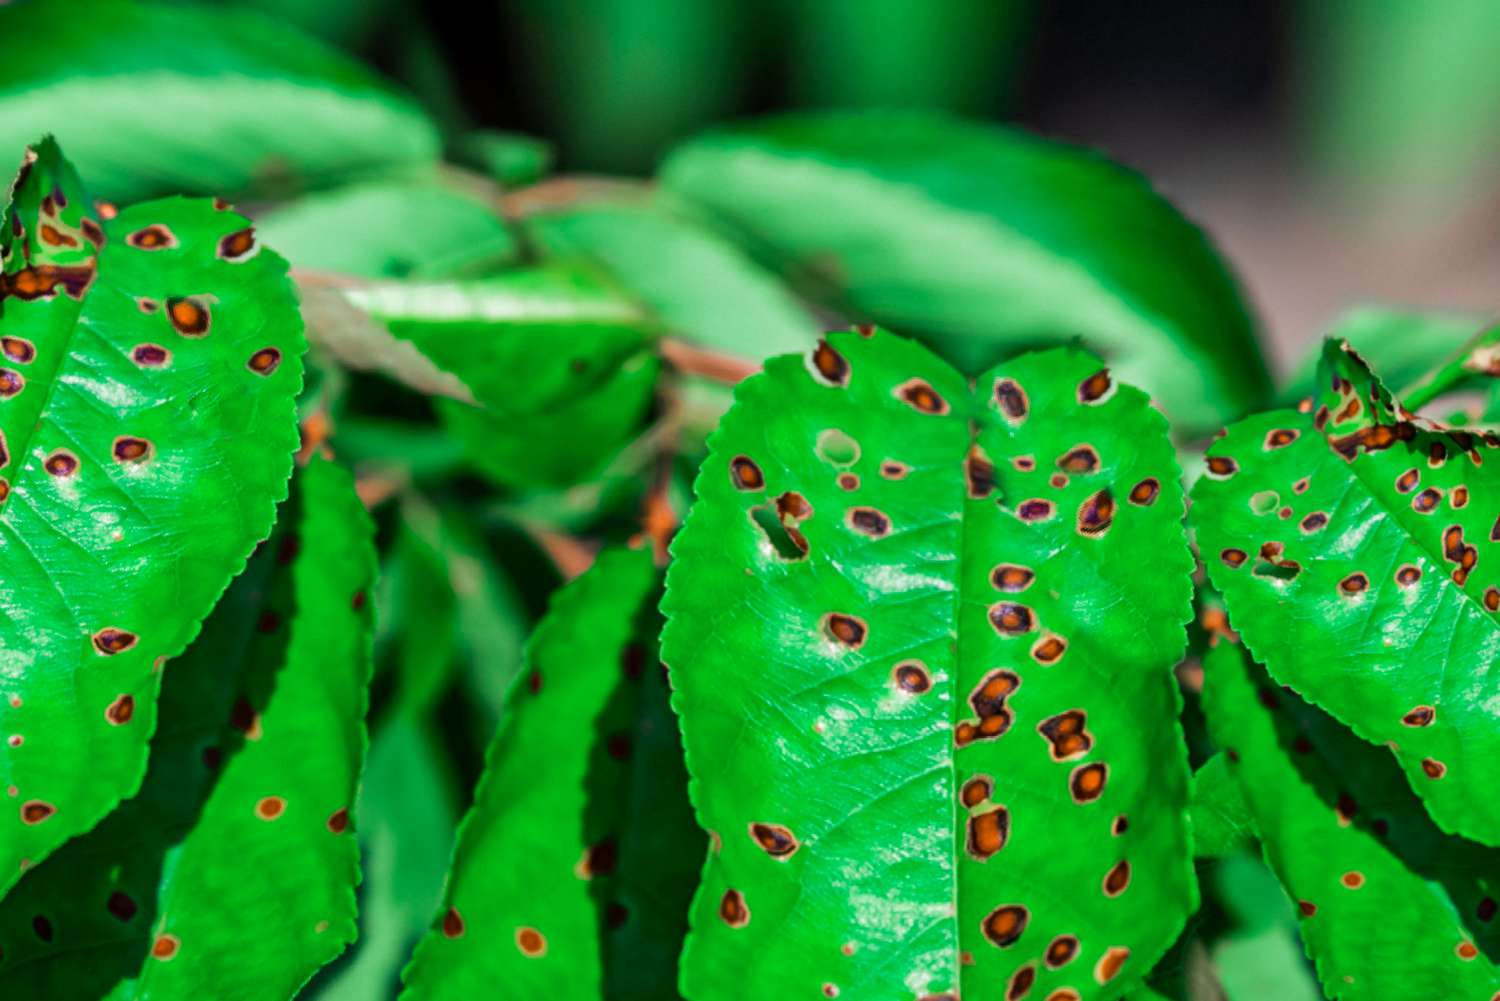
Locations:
(237, 898)
(574, 865)
(1392, 909)
(854, 695)
(138, 468)
(1382, 608)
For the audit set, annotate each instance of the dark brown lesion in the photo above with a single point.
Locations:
(1144, 493)
(776, 840)
(238, 244)
(1049, 649)
(1096, 388)
(189, 315)
(1456, 550)
(1427, 501)
(129, 449)
(1036, 509)
(830, 366)
(1117, 879)
(18, 350)
(1020, 983)
(1004, 925)
(1120, 826)
(1408, 574)
(1079, 459)
(1011, 619)
(845, 630)
(154, 237)
(979, 474)
(61, 463)
(733, 910)
(11, 383)
(976, 791)
(1067, 734)
(34, 811)
(1221, 467)
(1061, 951)
(893, 470)
(1280, 438)
(869, 521)
(120, 906)
(1419, 716)
(453, 923)
(1096, 513)
(1458, 497)
(42, 281)
(1011, 399)
(1011, 577)
(988, 697)
(1407, 481)
(912, 676)
(150, 355)
(1110, 963)
(111, 641)
(745, 474)
(987, 832)
(1433, 768)
(922, 397)
(1355, 583)
(1233, 558)
(1314, 522)
(1086, 784)
(1492, 599)
(120, 711)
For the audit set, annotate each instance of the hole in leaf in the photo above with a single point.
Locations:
(1264, 501)
(837, 448)
(778, 523)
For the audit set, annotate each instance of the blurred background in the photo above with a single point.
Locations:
(1339, 151)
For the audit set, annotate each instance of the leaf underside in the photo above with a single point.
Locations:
(1355, 546)
(146, 433)
(921, 642)
(231, 874)
(1391, 908)
(585, 784)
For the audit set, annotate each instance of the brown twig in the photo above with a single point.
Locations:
(690, 359)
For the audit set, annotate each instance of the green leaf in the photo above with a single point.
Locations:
(985, 241)
(146, 434)
(584, 782)
(1391, 908)
(231, 874)
(1220, 816)
(927, 701)
(513, 159)
(1400, 344)
(699, 286)
(183, 98)
(1355, 548)
(390, 230)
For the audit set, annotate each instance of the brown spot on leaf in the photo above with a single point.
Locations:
(1433, 768)
(921, 396)
(1004, 925)
(1221, 467)
(34, 811)
(1011, 577)
(893, 470)
(61, 463)
(1011, 619)
(1280, 438)
(845, 629)
(270, 808)
(112, 641)
(128, 449)
(1049, 649)
(1234, 558)
(830, 366)
(1067, 734)
(338, 820)
(264, 361)
(1011, 399)
(1355, 583)
(1096, 388)
(1061, 951)
(189, 315)
(119, 711)
(1096, 514)
(1314, 522)
(775, 840)
(868, 521)
(156, 237)
(979, 474)
(1408, 574)
(745, 474)
(165, 947)
(1352, 880)
(987, 832)
(911, 676)
(150, 355)
(1117, 879)
(1427, 501)
(1020, 983)
(1079, 459)
(976, 790)
(1110, 963)
(1144, 493)
(453, 923)
(1036, 509)
(732, 909)
(237, 244)
(18, 350)
(1086, 784)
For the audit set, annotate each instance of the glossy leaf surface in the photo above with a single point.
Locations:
(181, 98)
(390, 230)
(585, 783)
(231, 874)
(1355, 546)
(545, 370)
(146, 433)
(1220, 815)
(1391, 908)
(985, 241)
(921, 641)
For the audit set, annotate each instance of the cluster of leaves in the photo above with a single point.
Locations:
(933, 703)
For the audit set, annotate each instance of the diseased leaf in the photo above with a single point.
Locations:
(232, 101)
(1400, 344)
(700, 287)
(926, 693)
(231, 874)
(1220, 817)
(985, 241)
(584, 782)
(390, 230)
(1391, 908)
(1355, 546)
(147, 427)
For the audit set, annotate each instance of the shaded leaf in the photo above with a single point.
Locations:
(147, 427)
(390, 230)
(513, 159)
(700, 287)
(1355, 548)
(890, 617)
(231, 874)
(584, 783)
(1220, 816)
(985, 241)
(1391, 908)
(235, 101)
